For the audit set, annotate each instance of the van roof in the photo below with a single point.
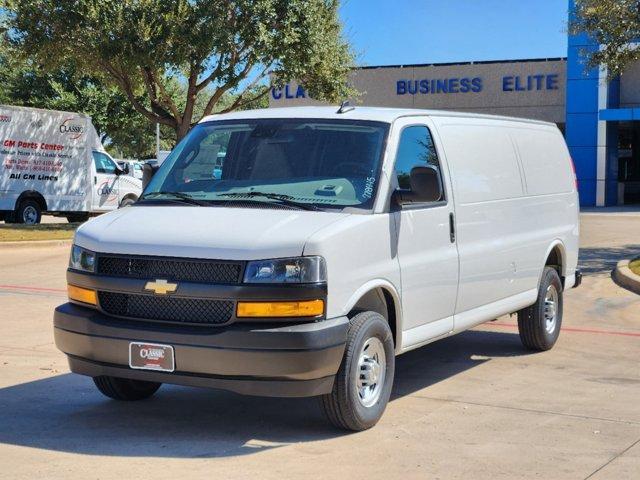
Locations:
(380, 114)
(42, 110)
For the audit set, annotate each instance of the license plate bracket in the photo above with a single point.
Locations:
(151, 356)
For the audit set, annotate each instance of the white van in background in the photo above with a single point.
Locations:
(52, 161)
(131, 167)
(297, 251)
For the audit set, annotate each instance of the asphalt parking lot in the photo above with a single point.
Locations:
(473, 406)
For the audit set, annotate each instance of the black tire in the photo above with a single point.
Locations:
(77, 217)
(343, 406)
(126, 201)
(125, 388)
(536, 332)
(29, 212)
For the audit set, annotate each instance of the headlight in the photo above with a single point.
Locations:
(82, 259)
(287, 270)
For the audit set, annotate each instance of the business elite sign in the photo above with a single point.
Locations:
(430, 86)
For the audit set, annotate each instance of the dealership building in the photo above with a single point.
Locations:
(600, 119)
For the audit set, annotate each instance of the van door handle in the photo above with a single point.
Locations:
(95, 180)
(452, 228)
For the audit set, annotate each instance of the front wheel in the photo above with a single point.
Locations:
(125, 388)
(539, 324)
(363, 383)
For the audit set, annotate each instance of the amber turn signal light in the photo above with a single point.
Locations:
(83, 295)
(306, 308)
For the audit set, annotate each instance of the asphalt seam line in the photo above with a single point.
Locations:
(612, 459)
(529, 410)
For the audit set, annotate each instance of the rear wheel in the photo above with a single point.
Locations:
(363, 383)
(77, 217)
(29, 212)
(539, 324)
(125, 388)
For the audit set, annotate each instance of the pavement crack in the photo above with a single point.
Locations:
(530, 410)
(612, 459)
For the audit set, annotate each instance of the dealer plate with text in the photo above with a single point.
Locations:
(151, 356)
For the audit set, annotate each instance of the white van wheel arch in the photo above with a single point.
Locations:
(383, 301)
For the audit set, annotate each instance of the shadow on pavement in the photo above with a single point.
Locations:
(66, 412)
(603, 260)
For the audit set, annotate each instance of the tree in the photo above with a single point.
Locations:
(215, 48)
(613, 24)
(123, 130)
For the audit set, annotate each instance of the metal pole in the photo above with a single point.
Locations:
(158, 141)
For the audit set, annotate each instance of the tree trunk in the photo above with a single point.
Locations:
(181, 130)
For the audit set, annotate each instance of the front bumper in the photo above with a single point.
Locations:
(280, 360)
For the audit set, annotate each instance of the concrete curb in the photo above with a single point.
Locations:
(35, 244)
(624, 277)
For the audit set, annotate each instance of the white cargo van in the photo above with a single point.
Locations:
(322, 243)
(54, 162)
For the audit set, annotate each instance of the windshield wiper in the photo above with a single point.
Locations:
(179, 197)
(281, 197)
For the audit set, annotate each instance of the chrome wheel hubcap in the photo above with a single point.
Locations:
(550, 309)
(371, 372)
(29, 215)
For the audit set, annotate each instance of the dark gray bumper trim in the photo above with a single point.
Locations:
(257, 359)
(263, 336)
(244, 386)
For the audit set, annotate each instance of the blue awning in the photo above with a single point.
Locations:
(619, 114)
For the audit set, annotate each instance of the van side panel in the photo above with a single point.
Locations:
(486, 165)
(490, 222)
(47, 152)
(503, 231)
(546, 168)
(551, 194)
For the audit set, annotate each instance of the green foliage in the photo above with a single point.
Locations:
(222, 53)
(125, 131)
(614, 24)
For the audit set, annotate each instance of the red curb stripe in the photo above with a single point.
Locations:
(35, 289)
(573, 329)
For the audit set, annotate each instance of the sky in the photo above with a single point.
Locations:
(395, 32)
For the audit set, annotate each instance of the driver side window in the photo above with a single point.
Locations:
(103, 163)
(415, 149)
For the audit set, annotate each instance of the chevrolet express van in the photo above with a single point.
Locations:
(295, 252)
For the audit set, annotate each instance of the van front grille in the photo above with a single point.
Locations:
(177, 269)
(167, 309)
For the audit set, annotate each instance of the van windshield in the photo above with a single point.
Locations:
(321, 163)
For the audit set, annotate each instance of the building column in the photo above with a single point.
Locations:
(585, 134)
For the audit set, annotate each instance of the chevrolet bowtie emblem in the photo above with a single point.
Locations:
(161, 287)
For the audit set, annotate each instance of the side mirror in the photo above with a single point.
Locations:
(426, 186)
(148, 171)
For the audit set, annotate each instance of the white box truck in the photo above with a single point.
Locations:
(54, 162)
(329, 242)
